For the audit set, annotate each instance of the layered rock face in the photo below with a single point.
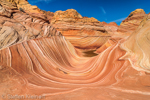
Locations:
(137, 46)
(38, 62)
(24, 6)
(82, 32)
(17, 26)
(20, 4)
(130, 24)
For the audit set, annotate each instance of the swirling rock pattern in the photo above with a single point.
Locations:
(138, 48)
(42, 68)
(17, 26)
(38, 62)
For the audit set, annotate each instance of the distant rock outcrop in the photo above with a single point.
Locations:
(80, 31)
(130, 24)
(70, 22)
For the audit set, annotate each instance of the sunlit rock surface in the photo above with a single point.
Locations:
(82, 32)
(38, 62)
(17, 26)
(129, 25)
(137, 46)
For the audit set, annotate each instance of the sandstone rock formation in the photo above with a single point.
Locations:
(24, 6)
(38, 62)
(20, 4)
(130, 24)
(81, 31)
(17, 26)
(137, 46)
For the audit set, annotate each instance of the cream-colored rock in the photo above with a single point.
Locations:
(138, 46)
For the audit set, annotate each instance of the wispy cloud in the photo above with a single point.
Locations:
(37, 1)
(103, 10)
(118, 20)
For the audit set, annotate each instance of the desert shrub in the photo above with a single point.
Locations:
(130, 15)
(21, 10)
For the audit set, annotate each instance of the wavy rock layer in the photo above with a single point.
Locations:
(81, 31)
(37, 60)
(137, 46)
(17, 26)
(43, 69)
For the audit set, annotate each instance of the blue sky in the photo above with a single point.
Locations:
(103, 10)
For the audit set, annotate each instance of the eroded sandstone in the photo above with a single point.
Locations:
(36, 59)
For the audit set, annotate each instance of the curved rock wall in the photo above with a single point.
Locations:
(38, 62)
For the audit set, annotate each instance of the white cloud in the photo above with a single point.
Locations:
(36, 1)
(118, 20)
(103, 10)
